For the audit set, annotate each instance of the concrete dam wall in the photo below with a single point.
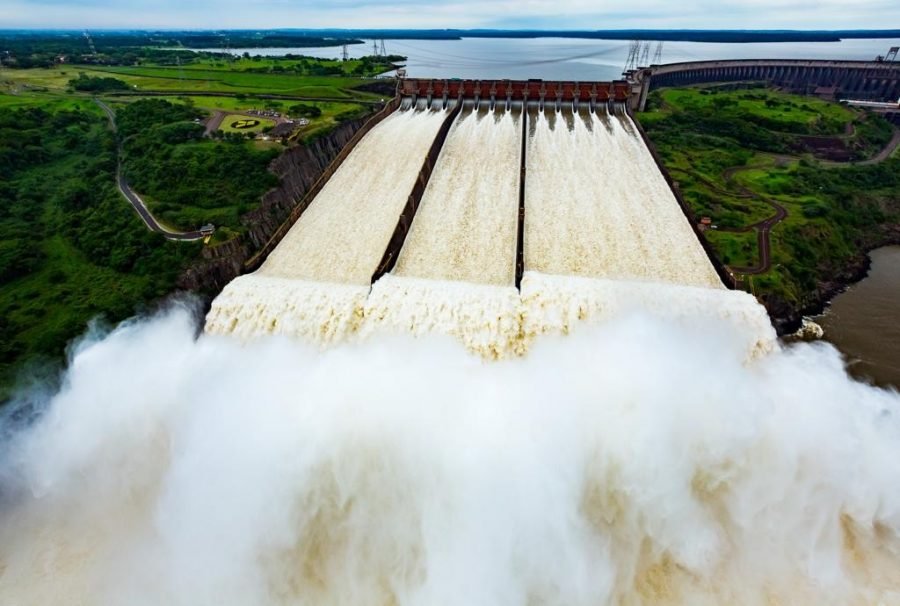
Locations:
(857, 79)
(492, 220)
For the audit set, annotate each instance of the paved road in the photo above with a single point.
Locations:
(763, 228)
(885, 153)
(135, 200)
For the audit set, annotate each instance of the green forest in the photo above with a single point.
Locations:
(71, 249)
(187, 180)
(736, 151)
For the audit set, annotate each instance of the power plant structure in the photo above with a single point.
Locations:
(876, 81)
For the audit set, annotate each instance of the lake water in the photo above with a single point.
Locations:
(864, 321)
(568, 59)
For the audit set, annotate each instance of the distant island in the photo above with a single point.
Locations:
(306, 38)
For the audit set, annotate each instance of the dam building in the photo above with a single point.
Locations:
(491, 211)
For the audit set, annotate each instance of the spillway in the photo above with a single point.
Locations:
(315, 282)
(597, 205)
(456, 271)
(342, 236)
(603, 236)
(465, 228)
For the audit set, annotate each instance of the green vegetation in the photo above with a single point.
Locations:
(736, 152)
(71, 249)
(187, 180)
(94, 84)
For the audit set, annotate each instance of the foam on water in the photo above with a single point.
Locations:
(342, 236)
(259, 305)
(465, 227)
(553, 304)
(597, 206)
(487, 319)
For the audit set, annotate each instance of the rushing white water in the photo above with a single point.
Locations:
(597, 206)
(640, 462)
(318, 312)
(342, 236)
(465, 227)
(315, 282)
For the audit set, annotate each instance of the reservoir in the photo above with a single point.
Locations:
(864, 321)
(570, 59)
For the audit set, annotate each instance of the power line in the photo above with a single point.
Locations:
(657, 56)
(645, 54)
(90, 42)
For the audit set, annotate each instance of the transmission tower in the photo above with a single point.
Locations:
(375, 47)
(657, 56)
(178, 61)
(645, 54)
(383, 52)
(634, 49)
(344, 53)
(90, 42)
(892, 54)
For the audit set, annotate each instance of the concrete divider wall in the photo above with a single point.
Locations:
(404, 222)
(520, 233)
(720, 268)
(254, 262)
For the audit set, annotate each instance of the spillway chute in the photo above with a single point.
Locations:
(561, 199)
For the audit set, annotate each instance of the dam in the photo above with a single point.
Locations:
(653, 459)
(491, 212)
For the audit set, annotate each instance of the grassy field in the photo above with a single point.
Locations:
(158, 78)
(790, 113)
(735, 151)
(229, 86)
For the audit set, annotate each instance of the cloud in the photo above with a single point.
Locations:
(563, 14)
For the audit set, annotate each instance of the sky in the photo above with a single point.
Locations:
(505, 14)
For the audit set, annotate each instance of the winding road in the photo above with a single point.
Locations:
(135, 200)
(764, 228)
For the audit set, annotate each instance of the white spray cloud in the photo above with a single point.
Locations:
(638, 462)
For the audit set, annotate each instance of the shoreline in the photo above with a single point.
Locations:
(787, 319)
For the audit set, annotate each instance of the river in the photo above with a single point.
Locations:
(571, 59)
(863, 321)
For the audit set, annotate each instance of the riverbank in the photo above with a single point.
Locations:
(788, 319)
